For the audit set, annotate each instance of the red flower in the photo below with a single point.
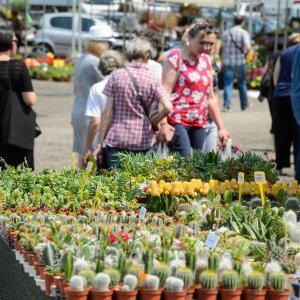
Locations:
(123, 235)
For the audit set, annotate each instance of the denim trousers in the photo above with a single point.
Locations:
(230, 73)
(189, 137)
(211, 138)
(111, 155)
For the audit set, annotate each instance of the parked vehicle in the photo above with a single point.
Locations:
(56, 32)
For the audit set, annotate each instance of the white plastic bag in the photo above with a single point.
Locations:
(163, 150)
(226, 152)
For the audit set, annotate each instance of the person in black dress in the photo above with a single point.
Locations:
(21, 83)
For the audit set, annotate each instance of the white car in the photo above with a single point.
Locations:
(55, 34)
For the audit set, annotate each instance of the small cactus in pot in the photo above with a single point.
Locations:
(230, 284)
(278, 291)
(150, 288)
(77, 288)
(101, 287)
(255, 282)
(174, 289)
(128, 291)
(208, 280)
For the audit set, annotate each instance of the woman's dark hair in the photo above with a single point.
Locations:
(6, 40)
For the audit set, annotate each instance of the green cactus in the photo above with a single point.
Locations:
(213, 262)
(131, 281)
(162, 271)
(255, 281)
(292, 203)
(187, 275)
(278, 281)
(228, 196)
(136, 270)
(288, 267)
(196, 229)
(174, 284)
(280, 212)
(148, 257)
(208, 280)
(68, 265)
(102, 282)
(50, 255)
(100, 266)
(151, 282)
(114, 275)
(185, 207)
(291, 251)
(278, 229)
(86, 252)
(77, 283)
(190, 260)
(230, 280)
(277, 253)
(255, 202)
(122, 264)
(281, 197)
(179, 231)
(88, 275)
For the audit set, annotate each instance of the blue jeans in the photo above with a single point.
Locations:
(112, 158)
(211, 139)
(189, 137)
(230, 73)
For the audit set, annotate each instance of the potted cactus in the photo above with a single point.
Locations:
(278, 291)
(128, 291)
(174, 289)
(230, 284)
(77, 289)
(101, 289)
(187, 275)
(255, 283)
(208, 280)
(150, 288)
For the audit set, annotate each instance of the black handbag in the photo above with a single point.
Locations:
(18, 123)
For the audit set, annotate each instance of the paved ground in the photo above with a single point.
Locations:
(249, 129)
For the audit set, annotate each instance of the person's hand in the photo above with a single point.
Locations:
(85, 156)
(97, 151)
(224, 136)
(260, 98)
(166, 133)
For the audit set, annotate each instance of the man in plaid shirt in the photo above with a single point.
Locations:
(236, 45)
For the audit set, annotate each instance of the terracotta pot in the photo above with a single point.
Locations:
(230, 295)
(57, 279)
(37, 266)
(62, 286)
(150, 294)
(76, 295)
(205, 294)
(101, 295)
(122, 295)
(26, 254)
(30, 259)
(48, 282)
(278, 295)
(41, 270)
(170, 295)
(254, 294)
(190, 293)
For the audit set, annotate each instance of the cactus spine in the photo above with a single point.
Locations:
(208, 280)
(162, 271)
(114, 275)
(186, 275)
(130, 281)
(174, 284)
(151, 282)
(278, 281)
(255, 281)
(230, 280)
(102, 282)
(77, 283)
(213, 262)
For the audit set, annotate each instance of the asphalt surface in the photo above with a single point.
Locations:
(249, 128)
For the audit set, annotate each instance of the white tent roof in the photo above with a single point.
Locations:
(205, 3)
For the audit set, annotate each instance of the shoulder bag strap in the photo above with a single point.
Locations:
(236, 45)
(139, 94)
(178, 71)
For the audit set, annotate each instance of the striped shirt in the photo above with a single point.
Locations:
(231, 55)
(130, 128)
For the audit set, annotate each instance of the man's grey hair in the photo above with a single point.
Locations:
(110, 61)
(138, 47)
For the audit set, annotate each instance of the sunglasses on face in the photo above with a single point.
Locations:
(198, 27)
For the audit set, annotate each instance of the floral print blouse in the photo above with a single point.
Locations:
(191, 91)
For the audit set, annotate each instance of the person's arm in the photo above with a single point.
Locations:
(215, 113)
(29, 98)
(276, 71)
(93, 128)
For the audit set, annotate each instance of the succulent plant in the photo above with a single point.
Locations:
(77, 283)
(148, 257)
(68, 264)
(187, 275)
(86, 251)
(292, 203)
(255, 281)
(230, 280)
(278, 281)
(174, 284)
(288, 267)
(50, 255)
(114, 275)
(102, 282)
(179, 231)
(208, 279)
(213, 262)
(136, 270)
(151, 282)
(131, 281)
(255, 202)
(162, 271)
(277, 253)
(88, 275)
(185, 207)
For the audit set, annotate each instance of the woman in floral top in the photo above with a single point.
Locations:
(192, 94)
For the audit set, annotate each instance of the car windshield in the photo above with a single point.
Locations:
(101, 2)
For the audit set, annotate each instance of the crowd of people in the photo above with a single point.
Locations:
(129, 102)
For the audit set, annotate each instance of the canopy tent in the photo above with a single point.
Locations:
(205, 3)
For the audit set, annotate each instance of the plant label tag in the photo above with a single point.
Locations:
(98, 186)
(211, 240)
(142, 213)
(241, 176)
(89, 166)
(260, 177)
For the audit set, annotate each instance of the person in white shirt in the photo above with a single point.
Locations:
(97, 101)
